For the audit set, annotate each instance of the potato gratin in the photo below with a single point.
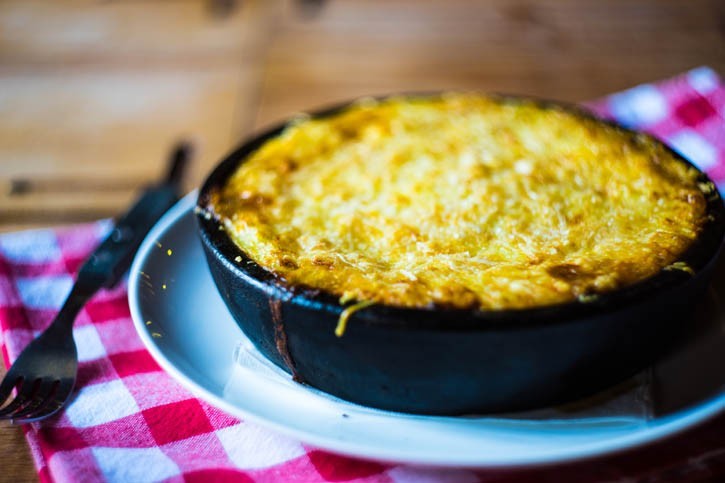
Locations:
(461, 201)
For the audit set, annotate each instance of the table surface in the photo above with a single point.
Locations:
(93, 94)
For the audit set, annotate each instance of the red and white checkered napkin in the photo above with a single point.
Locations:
(131, 422)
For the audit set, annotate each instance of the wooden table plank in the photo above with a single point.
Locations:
(112, 125)
(93, 31)
(106, 123)
(565, 49)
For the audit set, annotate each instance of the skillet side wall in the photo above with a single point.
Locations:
(450, 372)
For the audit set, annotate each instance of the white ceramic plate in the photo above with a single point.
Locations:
(188, 330)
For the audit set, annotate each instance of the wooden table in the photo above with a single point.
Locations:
(94, 93)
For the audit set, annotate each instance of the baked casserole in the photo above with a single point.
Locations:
(495, 253)
(462, 201)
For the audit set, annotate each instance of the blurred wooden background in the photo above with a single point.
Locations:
(94, 93)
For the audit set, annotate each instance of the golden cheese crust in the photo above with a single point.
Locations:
(461, 201)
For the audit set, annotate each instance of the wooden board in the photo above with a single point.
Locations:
(93, 96)
(91, 138)
(565, 49)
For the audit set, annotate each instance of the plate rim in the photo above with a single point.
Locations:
(662, 429)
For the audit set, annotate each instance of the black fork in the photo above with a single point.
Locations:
(44, 374)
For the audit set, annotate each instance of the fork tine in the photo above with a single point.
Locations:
(25, 392)
(53, 405)
(50, 409)
(63, 391)
(6, 387)
(41, 399)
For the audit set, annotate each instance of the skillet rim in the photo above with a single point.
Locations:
(700, 255)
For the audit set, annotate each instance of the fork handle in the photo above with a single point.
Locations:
(65, 318)
(111, 259)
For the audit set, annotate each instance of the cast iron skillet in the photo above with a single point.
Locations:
(453, 361)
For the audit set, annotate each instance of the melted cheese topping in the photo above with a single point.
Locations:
(461, 201)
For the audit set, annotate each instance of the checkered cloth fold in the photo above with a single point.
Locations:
(131, 422)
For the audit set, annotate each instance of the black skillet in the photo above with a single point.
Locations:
(445, 361)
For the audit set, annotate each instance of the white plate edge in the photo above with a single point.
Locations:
(664, 427)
